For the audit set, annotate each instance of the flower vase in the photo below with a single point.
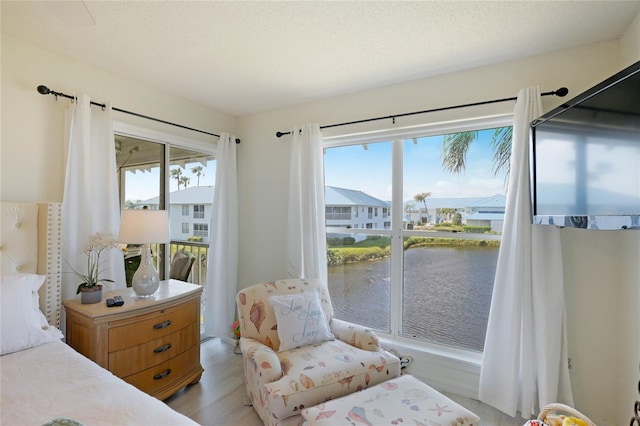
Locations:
(91, 295)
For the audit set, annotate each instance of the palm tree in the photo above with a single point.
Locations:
(456, 145)
(185, 181)
(446, 214)
(422, 198)
(408, 208)
(177, 175)
(454, 150)
(198, 172)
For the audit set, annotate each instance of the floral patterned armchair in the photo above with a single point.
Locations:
(323, 364)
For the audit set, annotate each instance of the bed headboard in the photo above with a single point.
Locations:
(30, 242)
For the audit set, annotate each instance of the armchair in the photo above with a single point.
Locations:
(280, 382)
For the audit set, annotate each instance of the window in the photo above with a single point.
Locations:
(436, 247)
(162, 171)
(337, 213)
(201, 230)
(198, 211)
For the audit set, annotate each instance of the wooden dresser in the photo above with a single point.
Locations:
(153, 343)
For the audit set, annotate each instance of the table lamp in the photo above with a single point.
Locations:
(144, 227)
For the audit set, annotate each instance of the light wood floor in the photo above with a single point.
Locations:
(219, 398)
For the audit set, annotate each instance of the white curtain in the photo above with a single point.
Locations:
(222, 260)
(90, 201)
(306, 238)
(524, 366)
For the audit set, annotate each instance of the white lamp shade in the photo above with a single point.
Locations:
(144, 227)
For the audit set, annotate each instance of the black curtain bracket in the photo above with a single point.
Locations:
(561, 92)
(44, 90)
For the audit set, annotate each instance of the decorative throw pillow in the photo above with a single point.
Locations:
(22, 323)
(301, 320)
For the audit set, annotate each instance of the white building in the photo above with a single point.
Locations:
(475, 211)
(349, 208)
(189, 212)
(487, 211)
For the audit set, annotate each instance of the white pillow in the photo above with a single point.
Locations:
(301, 320)
(22, 324)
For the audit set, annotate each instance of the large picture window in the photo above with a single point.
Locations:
(425, 272)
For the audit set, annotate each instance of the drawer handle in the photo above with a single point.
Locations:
(162, 348)
(165, 324)
(162, 375)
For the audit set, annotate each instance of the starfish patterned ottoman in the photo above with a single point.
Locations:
(401, 401)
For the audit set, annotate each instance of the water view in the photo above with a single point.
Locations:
(447, 294)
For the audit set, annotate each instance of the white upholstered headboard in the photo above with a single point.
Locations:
(30, 242)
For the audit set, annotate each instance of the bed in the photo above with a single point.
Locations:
(44, 381)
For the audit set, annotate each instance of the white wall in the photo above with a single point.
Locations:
(630, 43)
(32, 134)
(600, 271)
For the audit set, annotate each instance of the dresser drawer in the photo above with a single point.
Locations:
(131, 360)
(132, 332)
(165, 374)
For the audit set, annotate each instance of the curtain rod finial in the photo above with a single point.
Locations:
(43, 90)
(562, 92)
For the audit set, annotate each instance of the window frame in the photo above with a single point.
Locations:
(201, 228)
(397, 136)
(198, 211)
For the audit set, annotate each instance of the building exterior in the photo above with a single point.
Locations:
(349, 208)
(475, 211)
(189, 212)
(487, 212)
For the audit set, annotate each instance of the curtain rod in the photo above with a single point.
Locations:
(561, 92)
(44, 90)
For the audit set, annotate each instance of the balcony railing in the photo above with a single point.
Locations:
(338, 216)
(198, 273)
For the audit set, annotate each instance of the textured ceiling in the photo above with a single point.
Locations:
(242, 57)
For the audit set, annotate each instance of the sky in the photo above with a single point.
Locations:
(369, 170)
(145, 185)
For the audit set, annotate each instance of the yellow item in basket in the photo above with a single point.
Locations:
(554, 420)
(573, 421)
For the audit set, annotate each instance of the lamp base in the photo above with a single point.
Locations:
(145, 281)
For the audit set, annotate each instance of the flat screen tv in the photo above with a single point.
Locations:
(586, 158)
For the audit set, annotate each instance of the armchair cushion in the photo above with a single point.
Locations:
(356, 335)
(300, 320)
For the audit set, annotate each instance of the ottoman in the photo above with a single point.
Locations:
(401, 401)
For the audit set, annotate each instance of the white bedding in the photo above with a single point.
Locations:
(54, 381)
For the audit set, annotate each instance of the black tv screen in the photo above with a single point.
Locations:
(586, 158)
